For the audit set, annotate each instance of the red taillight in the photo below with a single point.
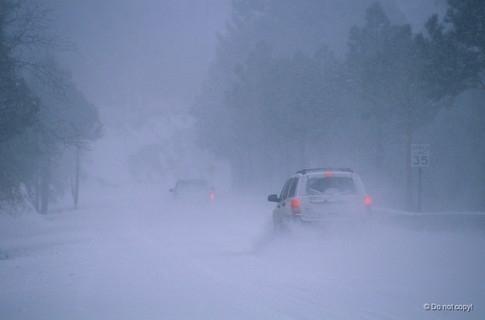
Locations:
(212, 196)
(295, 205)
(368, 201)
(328, 174)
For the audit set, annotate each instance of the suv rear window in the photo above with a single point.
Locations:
(330, 185)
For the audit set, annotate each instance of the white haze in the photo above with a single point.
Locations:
(143, 64)
(131, 252)
(132, 52)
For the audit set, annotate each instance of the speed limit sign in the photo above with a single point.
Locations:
(420, 155)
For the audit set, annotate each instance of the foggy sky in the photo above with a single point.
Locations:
(135, 52)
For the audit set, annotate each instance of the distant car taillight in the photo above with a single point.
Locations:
(212, 196)
(368, 201)
(295, 206)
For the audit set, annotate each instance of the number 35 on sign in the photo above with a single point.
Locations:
(420, 155)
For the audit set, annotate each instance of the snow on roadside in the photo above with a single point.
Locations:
(17, 224)
(134, 253)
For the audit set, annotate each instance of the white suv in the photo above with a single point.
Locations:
(325, 194)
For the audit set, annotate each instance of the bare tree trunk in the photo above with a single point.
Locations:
(409, 169)
(44, 187)
(37, 193)
(75, 185)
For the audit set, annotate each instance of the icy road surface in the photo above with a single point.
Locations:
(139, 256)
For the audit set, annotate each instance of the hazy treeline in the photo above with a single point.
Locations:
(45, 122)
(278, 98)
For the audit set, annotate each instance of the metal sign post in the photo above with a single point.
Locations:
(420, 188)
(419, 159)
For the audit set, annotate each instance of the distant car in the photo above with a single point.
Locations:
(193, 190)
(320, 195)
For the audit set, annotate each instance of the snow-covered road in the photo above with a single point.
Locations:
(137, 255)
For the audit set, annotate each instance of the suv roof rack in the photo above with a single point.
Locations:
(305, 171)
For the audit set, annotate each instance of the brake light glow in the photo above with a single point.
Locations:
(295, 205)
(368, 201)
(329, 174)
